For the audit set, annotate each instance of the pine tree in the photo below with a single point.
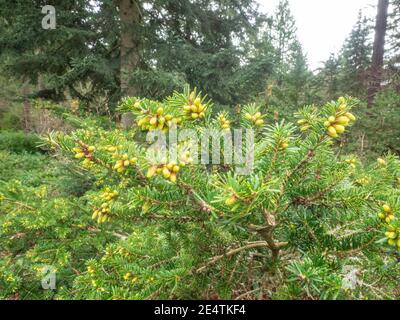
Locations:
(284, 31)
(376, 72)
(73, 53)
(196, 227)
(329, 78)
(394, 37)
(356, 58)
(161, 46)
(204, 40)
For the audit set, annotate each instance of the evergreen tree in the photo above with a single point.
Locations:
(394, 37)
(204, 40)
(328, 78)
(378, 53)
(356, 58)
(76, 52)
(284, 31)
(134, 47)
(291, 75)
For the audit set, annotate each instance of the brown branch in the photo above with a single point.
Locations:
(342, 254)
(249, 246)
(203, 206)
(19, 203)
(248, 293)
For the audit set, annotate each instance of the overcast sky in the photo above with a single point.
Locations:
(323, 25)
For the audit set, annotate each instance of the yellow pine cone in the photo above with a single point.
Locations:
(350, 116)
(389, 218)
(331, 119)
(231, 201)
(160, 111)
(151, 172)
(259, 122)
(386, 208)
(339, 128)
(284, 145)
(197, 102)
(95, 214)
(343, 120)
(332, 132)
(166, 173)
(382, 162)
(172, 177)
(153, 121)
(391, 235)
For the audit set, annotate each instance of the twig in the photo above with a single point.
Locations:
(212, 261)
(19, 203)
(342, 254)
(247, 293)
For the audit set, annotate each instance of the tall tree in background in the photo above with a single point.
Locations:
(76, 53)
(394, 40)
(291, 72)
(292, 86)
(205, 41)
(328, 80)
(130, 47)
(284, 30)
(133, 47)
(378, 50)
(356, 58)
(394, 28)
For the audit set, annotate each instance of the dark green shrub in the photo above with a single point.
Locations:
(19, 142)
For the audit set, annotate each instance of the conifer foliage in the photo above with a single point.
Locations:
(203, 231)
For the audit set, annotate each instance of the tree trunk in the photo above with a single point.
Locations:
(378, 51)
(27, 108)
(130, 18)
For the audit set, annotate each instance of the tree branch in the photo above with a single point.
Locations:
(249, 246)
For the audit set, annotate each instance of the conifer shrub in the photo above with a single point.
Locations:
(19, 142)
(303, 223)
(378, 132)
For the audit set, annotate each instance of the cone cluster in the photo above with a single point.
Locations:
(393, 236)
(255, 118)
(102, 214)
(224, 122)
(352, 162)
(169, 170)
(86, 153)
(336, 125)
(158, 121)
(195, 110)
(386, 214)
(123, 163)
